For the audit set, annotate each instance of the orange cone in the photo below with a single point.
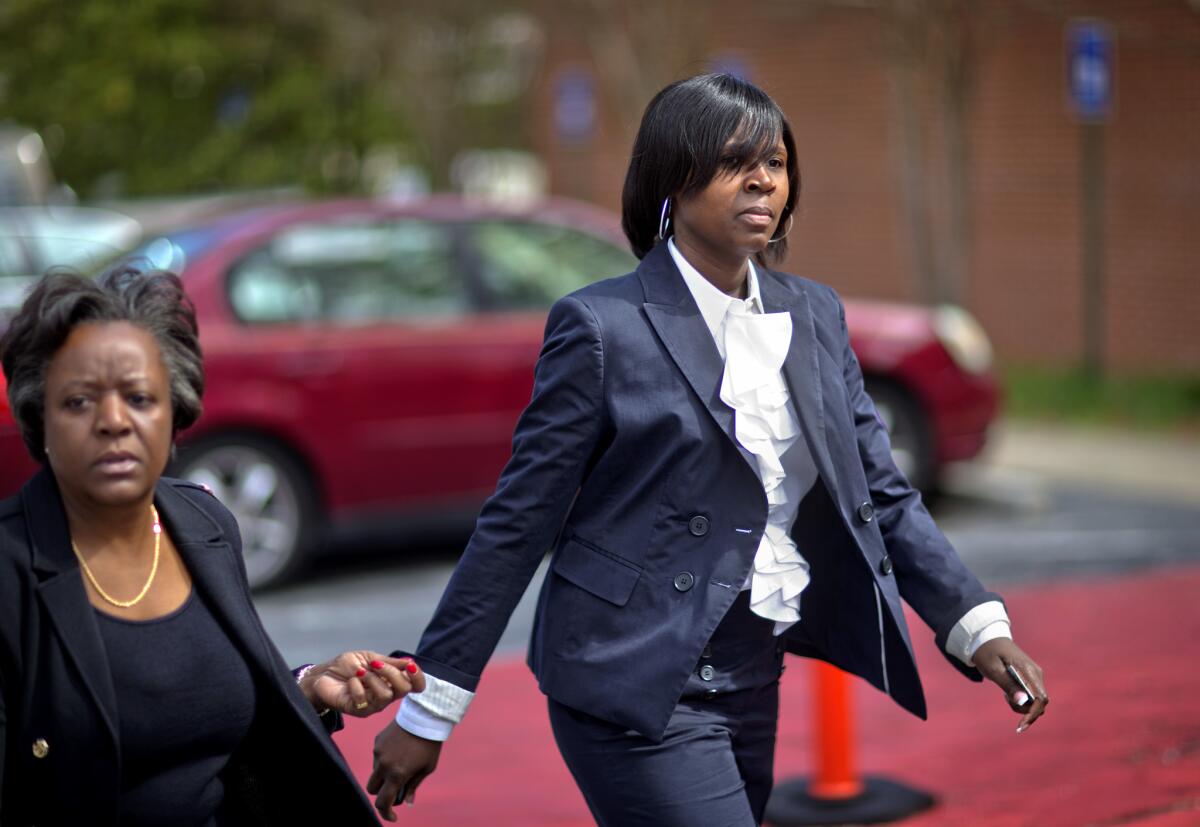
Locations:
(837, 793)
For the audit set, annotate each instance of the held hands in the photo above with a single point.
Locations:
(360, 683)
(993, 659)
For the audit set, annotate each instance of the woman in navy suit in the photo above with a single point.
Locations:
(717, 488)
(137, 684)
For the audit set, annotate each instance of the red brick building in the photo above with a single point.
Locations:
(834, 69)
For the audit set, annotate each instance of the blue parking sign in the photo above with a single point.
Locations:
(1090, 69)
(575, 105)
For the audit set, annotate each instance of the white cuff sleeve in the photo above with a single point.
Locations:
(432, 714)
(985, 622)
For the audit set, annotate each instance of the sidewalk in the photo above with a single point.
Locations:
(1119, 745)
(1159, 463)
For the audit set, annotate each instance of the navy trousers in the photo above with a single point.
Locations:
(714, 766)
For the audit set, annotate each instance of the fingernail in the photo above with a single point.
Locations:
(360, 672)
(376, 664)
(411, 668)
(1021, 729)
(1021, 699)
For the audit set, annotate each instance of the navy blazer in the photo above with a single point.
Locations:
(626, 465)
(55, 683)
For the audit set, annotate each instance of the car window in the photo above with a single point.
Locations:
(349, 273)
(524, 265)
(13, 259)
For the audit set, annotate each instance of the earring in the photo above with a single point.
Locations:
(664, 219)
(791, 221)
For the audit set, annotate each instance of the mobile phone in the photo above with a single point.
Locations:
(1016, 676)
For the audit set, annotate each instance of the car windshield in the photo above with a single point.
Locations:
(36, 239)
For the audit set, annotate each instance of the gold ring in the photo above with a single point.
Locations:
(362, 705)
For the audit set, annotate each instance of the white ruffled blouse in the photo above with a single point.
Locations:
(754, 345)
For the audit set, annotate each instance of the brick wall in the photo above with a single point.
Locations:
(828, 68)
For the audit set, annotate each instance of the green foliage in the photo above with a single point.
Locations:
(1072, 395)
(159, 96)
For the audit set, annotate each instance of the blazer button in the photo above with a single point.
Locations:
(698, 525)
(707, 653)
(707, 673)
(866, 512)
(40, 748)
(885, 565)
(684, 581)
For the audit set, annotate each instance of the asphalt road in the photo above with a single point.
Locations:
(1008, 526)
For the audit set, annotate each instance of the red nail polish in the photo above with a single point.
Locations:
(360, 672)
(376, 664)
(411, 668)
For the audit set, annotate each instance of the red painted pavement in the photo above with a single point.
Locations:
(1120, 744)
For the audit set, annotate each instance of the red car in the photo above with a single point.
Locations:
(367, 361)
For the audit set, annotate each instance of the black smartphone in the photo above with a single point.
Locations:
(1016, 676)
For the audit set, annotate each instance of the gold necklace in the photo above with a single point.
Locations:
(125, 604)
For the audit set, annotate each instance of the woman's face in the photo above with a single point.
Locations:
(107, 414)
(737, 213)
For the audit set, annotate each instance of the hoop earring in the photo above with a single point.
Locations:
(791, 222)
(664, 219)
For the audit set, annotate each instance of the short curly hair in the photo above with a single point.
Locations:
(62, 300)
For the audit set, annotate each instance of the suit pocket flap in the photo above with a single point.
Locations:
(596, 572)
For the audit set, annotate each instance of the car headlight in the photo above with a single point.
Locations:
(963, 337)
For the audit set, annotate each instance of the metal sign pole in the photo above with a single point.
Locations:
(1090, 83)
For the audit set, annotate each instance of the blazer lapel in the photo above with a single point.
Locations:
(214, 568)
(62, 594)
(677, 320)
(802, 368)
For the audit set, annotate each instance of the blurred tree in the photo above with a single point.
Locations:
(633, 58)
(930, 51)
(155, 96)
(460, 69)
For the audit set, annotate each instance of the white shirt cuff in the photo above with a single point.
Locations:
(1000, 628)
(985, 622)
(432, 714)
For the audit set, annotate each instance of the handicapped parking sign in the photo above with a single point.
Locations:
(1090, 69)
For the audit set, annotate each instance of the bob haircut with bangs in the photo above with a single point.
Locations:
(683, 143)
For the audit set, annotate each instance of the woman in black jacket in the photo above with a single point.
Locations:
(137, 684)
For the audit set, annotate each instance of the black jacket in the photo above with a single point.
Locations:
(56, 690)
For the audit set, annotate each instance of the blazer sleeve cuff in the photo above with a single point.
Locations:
(441, 671)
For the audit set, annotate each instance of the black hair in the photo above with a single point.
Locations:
(681, 146)
(62, 300)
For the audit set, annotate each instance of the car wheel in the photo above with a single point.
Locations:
(908, 431)
(268, 492)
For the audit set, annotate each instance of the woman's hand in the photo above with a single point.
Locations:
(993, 658)
(360, 683)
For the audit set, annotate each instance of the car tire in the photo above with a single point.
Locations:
(269, 492)
(908, 430)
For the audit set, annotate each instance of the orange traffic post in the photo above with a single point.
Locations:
(837, 775)
(837, 793)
